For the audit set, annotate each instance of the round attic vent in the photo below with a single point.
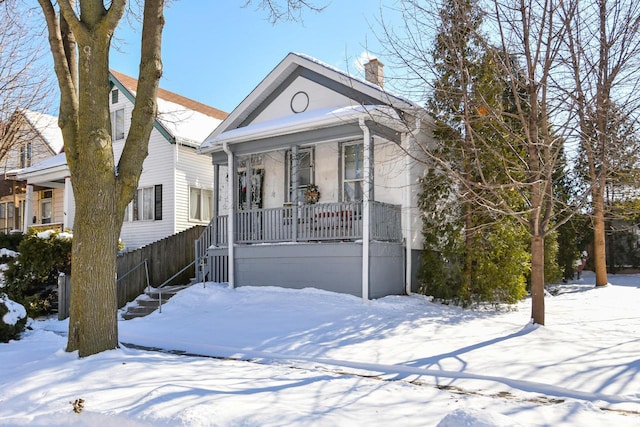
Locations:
(299, 102)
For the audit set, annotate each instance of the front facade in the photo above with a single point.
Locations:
(30, 138)
(316, 177)
(175, 187)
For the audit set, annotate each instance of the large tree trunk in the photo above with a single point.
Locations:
(537, 279)
(102, 190)
(93, 325)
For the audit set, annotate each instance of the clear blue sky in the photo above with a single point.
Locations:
(216, 52)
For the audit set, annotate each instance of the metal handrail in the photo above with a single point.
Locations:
(135, 267)
(159, 288)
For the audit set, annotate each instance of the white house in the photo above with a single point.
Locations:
(175, 189)
(28, 137)
(316, 182)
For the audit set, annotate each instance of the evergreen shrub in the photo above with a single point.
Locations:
(32, 278)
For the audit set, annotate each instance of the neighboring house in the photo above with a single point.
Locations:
(316, 184)
(28, 138)
(175, 188)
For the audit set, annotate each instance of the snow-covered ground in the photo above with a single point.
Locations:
(311, 358)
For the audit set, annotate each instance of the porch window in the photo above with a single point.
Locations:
(146, 205)
(305, 172)
(46, 207)
(117, 124)
(352, 171)
(200, 204)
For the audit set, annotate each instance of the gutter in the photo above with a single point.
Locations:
(408, 217)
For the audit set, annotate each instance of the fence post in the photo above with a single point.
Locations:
(64, 296)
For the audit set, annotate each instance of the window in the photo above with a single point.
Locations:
(117, 124)
(250, 182)
(46, 206)
(352, 171)
(25, 155)
(200, 204)
(146, 205)
(305, 172)
(114, 96)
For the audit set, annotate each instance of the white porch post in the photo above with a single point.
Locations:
(28, 208)
(294, 192)
(366, 210)
(231, 188)
(68, 205)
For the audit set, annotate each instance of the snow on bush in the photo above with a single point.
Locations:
(14, 317)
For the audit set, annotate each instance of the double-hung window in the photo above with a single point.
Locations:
(200, 204)
(146, 205)
(117, 124)
(305, 172)
(46, 206)
(25, 155)
(352, 171)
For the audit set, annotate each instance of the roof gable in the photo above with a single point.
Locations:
(295, 67)
(179, 119)
(47, 127)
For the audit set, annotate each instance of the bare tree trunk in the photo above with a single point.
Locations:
(537, 279)
(599, 252)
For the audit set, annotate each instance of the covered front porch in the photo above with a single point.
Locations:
(314, 245)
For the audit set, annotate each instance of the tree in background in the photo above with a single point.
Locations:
(24, 83)
(514, 153)
(601, 51)
(80, 35)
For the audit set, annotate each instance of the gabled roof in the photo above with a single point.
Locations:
(47, 127)
(179, 119)
(293, 65)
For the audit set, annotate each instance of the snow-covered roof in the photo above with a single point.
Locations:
(58, 161)
(371, 93)
(308, 120)
(48, 128)
(186, 120)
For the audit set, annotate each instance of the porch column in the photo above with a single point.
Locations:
(231, 230)
(68, 205)
(216, 202)
(294, 192)
(28, 208)
(366, 209)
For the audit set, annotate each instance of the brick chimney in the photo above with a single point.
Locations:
(373, 72)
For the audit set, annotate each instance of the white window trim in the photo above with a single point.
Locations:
(201, 195)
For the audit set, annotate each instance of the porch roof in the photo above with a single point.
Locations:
(305, 122)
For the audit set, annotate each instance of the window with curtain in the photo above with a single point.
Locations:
(146, 205)
(200, 204)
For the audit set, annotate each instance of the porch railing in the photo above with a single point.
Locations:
(306, 223)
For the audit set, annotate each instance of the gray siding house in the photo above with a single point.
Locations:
(315, 184)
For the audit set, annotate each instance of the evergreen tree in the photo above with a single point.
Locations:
(471, 253)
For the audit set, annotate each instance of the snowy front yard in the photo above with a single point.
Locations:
(313, 358)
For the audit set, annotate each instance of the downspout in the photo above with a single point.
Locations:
(408, 216)
(366, 209)
(231, 215)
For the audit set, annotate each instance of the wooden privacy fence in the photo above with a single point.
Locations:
(164, 259)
